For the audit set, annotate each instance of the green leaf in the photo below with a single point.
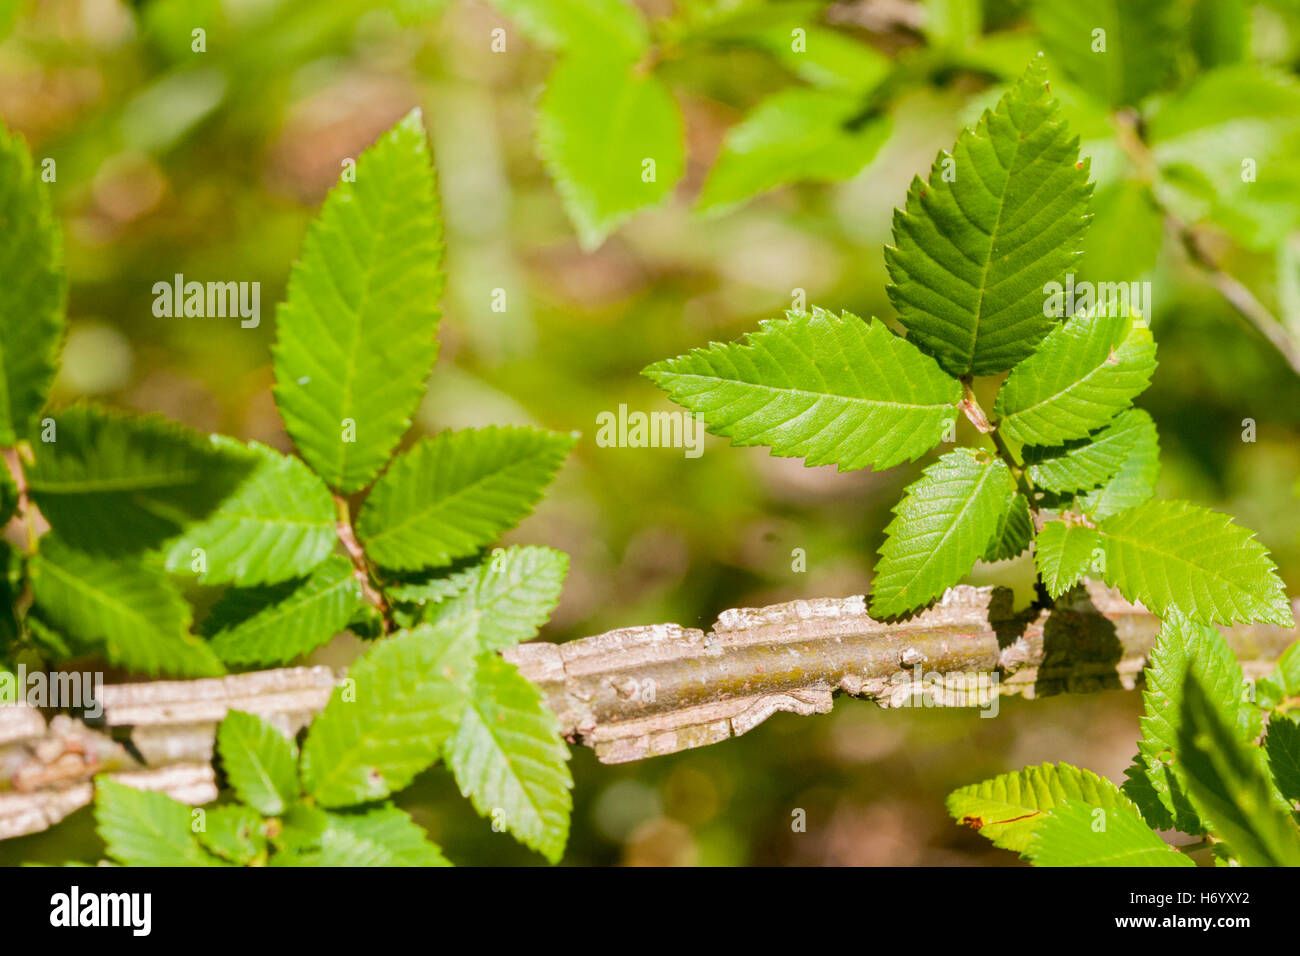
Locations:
(814, 54)
(1185, 649)
(1088, 462)
(1284, 682)
(940, 528)
(261, 763)
(375, 836)
(1125, 236)
(830, 389)
(127, 608)
(1014, 532)
(33, 295)
(599, 122)
(1139, 45)
(1076, 834)
(355, 336)
(509, 759)
(1084, 373)
(144, 828)
(234, 833)
(275, 624)
(1008, 809)
(1229, 785)
(1135, 481)
(613, 27)
(1220, 31)
(1283, 748)
(508, 597)
(798, 134)
(278, 524)
(1000, 218)
(1172, 554)
(389, 721)
(1200, 137)
(113, 484)
(1063, 553)
(451, 495)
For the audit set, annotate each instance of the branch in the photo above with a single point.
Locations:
(640, 692)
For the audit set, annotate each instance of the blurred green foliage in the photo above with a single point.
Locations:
(211, 164)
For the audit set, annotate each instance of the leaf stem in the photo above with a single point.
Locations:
(360, 565)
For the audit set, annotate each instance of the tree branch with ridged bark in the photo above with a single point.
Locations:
(640, 692)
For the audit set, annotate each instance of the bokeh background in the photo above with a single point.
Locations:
(213, 165)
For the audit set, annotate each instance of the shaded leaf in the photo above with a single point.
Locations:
(127, 609)
(277, 524)
(275, 624)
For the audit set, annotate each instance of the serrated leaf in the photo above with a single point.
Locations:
(127, 609)
(275, 624)
(117, 484)
(355, 336)
(1282, 745)
(1089, 462)
(1182, 649)
(613, 27)
(1133, 56)
(796, 135)
(830, 389)
(509, 759)
(451, 495)
(261, 764)
(234, 833)
(941, 526)
(1135, 481)
(599, 121)
(1000, 218)
(1014, 532)
(277, 524)
(1082, 375)
(1063, 554)
(390, 721)
(144, 828)
(375, 836)
(32, 298)
(1228, 783)
(508, 597)
(1176, 555)
(1076, 834)
(1009, 808)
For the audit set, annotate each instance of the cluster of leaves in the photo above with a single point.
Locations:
(612, 136)
(1200, 769)
(1067, 466)
(139, 508)
(1070, 465)
(607, 107)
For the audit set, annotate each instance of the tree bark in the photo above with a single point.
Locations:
(639, 692)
